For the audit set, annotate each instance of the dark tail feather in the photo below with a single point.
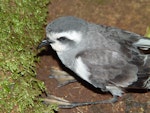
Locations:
(147, 83)
(143, 82)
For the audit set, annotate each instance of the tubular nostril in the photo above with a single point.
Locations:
(43, 43)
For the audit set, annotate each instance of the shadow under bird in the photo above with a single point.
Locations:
(108, 58)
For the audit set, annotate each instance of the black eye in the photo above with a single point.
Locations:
(62, 39)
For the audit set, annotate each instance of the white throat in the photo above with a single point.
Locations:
(71, 35)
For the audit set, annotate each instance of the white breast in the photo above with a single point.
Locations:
(82, 70)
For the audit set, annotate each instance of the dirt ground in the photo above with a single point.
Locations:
(132, 15)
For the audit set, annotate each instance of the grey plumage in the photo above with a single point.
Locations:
(74, 24)
(108, 58)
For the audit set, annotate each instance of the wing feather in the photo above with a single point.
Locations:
(108, 67)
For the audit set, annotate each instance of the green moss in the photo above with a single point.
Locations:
(21, 29)
(147, 34)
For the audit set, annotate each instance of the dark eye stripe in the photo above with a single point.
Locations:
(62, 39)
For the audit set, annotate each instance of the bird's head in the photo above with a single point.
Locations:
(64, 33)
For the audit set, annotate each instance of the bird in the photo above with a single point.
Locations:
(109, 58)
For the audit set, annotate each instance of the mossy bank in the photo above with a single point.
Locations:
(21, 29)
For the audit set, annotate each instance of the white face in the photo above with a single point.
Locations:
(64, 40)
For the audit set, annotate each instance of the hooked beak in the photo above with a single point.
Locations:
(44, 43)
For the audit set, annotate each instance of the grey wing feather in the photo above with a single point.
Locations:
(123, 68)
(130, 44)
(108, 67)
(113, 57)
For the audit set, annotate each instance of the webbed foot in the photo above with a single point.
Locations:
(62, 77)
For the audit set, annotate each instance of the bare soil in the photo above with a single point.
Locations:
(131, 15)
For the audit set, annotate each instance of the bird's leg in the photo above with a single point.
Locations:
(62, 77)
(51, 99)
(77, 104)
(65, 104)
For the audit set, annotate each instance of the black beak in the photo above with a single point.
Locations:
(44, 43)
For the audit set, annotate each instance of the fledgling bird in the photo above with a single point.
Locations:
(106, 57)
